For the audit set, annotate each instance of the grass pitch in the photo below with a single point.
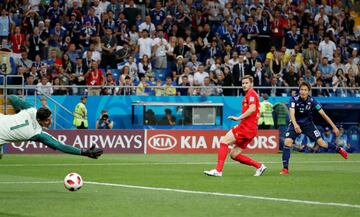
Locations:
(31, 186)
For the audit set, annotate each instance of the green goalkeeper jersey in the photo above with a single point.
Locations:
(23, 126)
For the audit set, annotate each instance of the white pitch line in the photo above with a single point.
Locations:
(227, 195)
(163, 163)
(197, 192)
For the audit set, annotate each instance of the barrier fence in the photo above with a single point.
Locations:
(148, 141)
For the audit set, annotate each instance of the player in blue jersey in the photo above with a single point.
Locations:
(301, 109)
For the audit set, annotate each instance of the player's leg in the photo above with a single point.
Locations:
(314, 135)
(321, 142)
(286, 152)
(225, 141)
(237, 156)
(1, 151)
(288, 143)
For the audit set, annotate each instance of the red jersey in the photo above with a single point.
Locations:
(94, 78)
(18, 40)
(251, 122)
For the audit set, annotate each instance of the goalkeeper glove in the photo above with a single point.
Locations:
(92, 152)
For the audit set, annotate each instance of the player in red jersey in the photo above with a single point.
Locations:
(243, 133)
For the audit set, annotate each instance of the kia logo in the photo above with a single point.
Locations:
(162, 142)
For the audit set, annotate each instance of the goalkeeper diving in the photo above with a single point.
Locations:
(27, 125)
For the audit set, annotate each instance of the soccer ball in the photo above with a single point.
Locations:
(73, 182)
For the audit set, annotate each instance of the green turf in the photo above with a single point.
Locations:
(337, 182)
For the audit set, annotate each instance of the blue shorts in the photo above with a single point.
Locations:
(309, 130)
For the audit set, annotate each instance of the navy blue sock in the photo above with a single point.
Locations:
(286, 156)
(333, 147)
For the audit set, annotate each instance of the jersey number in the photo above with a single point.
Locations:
(26, 123)
(317, 133)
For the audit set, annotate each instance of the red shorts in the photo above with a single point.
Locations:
(243, 137)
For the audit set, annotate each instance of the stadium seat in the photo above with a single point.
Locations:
(116, 74)
(160, 74)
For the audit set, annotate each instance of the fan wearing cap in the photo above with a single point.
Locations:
(28, 124)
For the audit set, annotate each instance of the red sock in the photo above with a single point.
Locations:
(222, 156)
(248, 161)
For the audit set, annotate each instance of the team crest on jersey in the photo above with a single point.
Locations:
(252, 99)
(287, 134)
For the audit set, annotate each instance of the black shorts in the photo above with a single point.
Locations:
(309, 130)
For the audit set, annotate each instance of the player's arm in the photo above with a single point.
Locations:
(18, 103)
(329, 121)
(55, 144)
(252, 109)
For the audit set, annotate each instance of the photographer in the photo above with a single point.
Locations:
(104, 121)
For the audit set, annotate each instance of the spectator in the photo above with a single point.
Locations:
(169, 89)
(80, 114)
(319, 89)
(104, 122)
(44, 87)
(200, 76)
(274, 90)
(141, 89)
(160, 47)
(168, 119)
(6, 24)
(109, 84)
(327, 48)
(24, 61)
(144, 66)
(208, 88)
(326, 70)
(291, 78)
(18, 41)
(108, 46)
(178, 68)
(261, 79)
(308, 77)
(185, 85)
(30, 85)
(94, 77)
(339, 82)
(126, 89)
(337, 64)
(351, 64)
(133, 69)
(311, 56)
(58, 90)
(149, 117)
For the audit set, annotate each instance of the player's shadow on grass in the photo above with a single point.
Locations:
(13, 215)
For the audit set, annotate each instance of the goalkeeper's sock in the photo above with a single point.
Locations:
(247, 160)
(286, 156)
(222, 153)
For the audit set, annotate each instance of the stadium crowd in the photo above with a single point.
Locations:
(174, 47)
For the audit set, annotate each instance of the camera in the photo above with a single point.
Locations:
(105, 117)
